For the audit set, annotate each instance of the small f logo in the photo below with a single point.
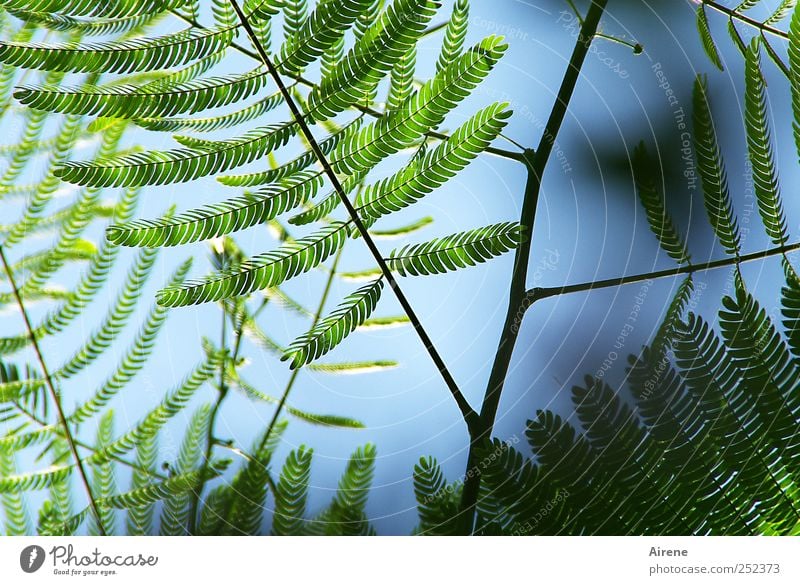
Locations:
(31, 558)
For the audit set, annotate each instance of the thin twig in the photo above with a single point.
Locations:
(469, 415)
(537, 294)
(731, 13)
(53, 394)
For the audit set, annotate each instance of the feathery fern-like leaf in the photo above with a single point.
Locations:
(712, 172)
(460, 250)
(332, 330)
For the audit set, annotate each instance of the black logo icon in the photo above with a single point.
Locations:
(31, 558)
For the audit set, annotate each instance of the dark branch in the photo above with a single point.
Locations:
(537, 294)
(469, 415)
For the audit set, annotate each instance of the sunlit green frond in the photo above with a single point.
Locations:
(296, 165)
(653, 202)
(294, 15)
(345, 515)
(86, 26)
(116, 318)
(332, 330)
(309, 38)
(292, 493)
(173, 166)
(131, 101)
(794, 78)
(402, 80)
(34, 480)
(397, 29)
(420, 112)
(17, 522)
(262, 271)
(353, 368)
(145, 496)
(421, 177)
(218, 219)
(118, 56)
(116, 9)
(454, 35)
(712, 171)
(249, 491)
(783, 9)
(210, 124)
(140, 518)
(324, 420)
(402, 231)
(460, 250)
(133, 360)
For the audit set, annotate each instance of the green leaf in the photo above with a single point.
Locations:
(175, 166)
(660, 222)
(251, 112)
(707, 40)
(460, 250)
(88, 27)
(325, 420)
(260, 272)
(118, 56)
(712, 171)
(397, 29)
(175, 512)
(353, 368)
(454, 35)
(332, 330)
(131, 101)
(115, 9)
(292, 493)
(219, 219)
(420, 112)
(423, 176)
(103, 481)
(140, 518)
(309, 38)
(154, 420)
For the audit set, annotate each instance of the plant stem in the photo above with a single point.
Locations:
(53, 394)
(293, 377)
(537, 162)
(536, 294)
(468, 414)
(731, 13)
